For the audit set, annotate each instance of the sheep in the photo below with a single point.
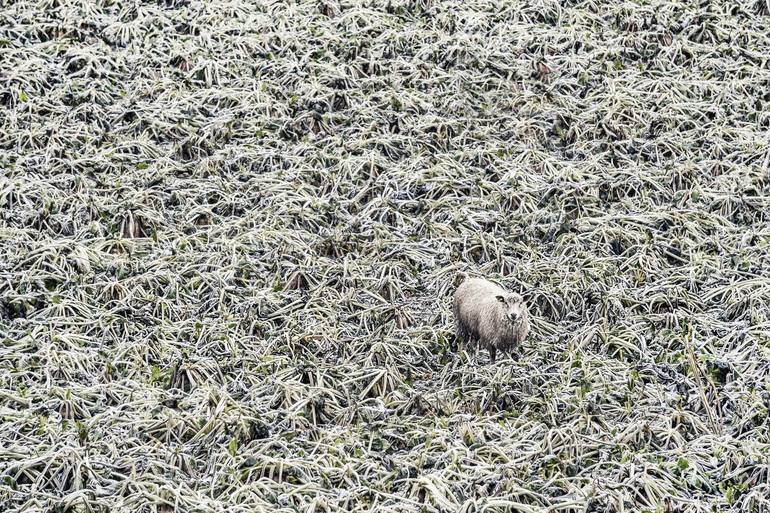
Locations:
(490, 315)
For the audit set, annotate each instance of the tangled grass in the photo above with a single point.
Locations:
(230, 231)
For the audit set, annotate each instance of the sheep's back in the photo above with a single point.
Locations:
(475, 292)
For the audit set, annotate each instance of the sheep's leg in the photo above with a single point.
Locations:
(464, 344)
(492, 353)
(456, 342)
(460, 339)
(468, 348)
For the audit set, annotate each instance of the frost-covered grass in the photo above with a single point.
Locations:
(230, 232)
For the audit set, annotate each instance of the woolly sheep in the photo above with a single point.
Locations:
(490, 315)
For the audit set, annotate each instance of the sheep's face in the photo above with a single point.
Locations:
(514, 307)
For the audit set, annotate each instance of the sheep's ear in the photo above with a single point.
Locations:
(500, 298)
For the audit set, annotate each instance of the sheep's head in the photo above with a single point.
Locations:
(513, 306)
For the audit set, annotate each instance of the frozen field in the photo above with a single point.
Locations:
(230, 232)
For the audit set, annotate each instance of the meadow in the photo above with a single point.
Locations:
(230, 232)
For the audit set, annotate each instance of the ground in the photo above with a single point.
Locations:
(230, 232)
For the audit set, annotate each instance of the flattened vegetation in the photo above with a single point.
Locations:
(230, 232)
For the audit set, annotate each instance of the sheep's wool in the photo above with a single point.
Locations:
(480, 318)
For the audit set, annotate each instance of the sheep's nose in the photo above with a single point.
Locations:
(513, 317)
